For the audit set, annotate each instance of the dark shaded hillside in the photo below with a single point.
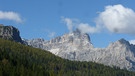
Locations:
(20, 60)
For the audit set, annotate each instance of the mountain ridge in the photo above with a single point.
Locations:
(20, 60)
(78, 46)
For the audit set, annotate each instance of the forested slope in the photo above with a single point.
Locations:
(20, 60)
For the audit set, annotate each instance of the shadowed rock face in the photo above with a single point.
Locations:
(77, 46)
(10, 33)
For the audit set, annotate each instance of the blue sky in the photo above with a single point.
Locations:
(50, 18)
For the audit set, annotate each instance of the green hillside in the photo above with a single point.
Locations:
(20, 60)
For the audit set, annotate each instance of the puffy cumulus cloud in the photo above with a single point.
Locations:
(10, 16)
(117, 19)
(83, 27)
(132, 42)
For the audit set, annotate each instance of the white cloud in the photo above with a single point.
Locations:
(86, 28)
(117, 19)
(51, 34)
(132, 42)
(83, 27)
(69, 23)
(10, 16)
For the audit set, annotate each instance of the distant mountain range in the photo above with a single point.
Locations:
(21, 60)
(77, 46)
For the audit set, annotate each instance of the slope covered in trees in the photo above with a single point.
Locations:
(20, 60)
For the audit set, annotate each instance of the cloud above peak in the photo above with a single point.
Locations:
(13, 16)
(83, 27)
(117, 19)
(69, 23)
(86, 28)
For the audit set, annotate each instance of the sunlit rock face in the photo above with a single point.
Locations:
(10, 33)
(121, 54)
(77, 46)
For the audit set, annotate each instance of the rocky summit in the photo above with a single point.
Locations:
(77, 46)
(10, 33)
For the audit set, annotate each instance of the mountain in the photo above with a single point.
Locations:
(120, 53)
(78, 46)
(10, 33)
(65, 46)
(20, 60)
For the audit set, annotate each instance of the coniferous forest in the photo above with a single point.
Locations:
(21, 60)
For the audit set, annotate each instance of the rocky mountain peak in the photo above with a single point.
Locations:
(75, 37)
(10, 33)
(123, 41)
(120, 43)
(77, 31)
(77, 46)
(77, 34)
(121, 54)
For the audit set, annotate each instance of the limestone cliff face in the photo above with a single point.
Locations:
(77, 46)
(10, 33)
(121, 54)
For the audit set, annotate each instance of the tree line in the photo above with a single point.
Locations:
(21, 60)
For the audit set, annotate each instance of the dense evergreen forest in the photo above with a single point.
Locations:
(21, 60)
